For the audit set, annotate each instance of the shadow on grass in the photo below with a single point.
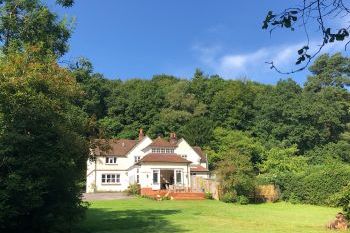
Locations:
(133, 221)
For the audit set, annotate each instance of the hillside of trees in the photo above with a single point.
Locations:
(297, 137)
(294, 136)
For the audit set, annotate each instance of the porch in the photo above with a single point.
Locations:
(172, 194)
(170, 179)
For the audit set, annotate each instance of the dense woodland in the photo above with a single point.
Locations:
(294, 136)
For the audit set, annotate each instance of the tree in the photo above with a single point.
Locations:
(290, 115)
(236, 174)
(31, 22)
(225, 140)
(343, 199)
(329, 71)
(43, 147)
(309, 13)
(198, 131)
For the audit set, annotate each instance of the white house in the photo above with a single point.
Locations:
(154, 164)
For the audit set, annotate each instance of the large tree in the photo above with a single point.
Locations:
(43, 148)
(32, 22)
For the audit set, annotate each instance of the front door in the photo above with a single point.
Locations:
(155, 179)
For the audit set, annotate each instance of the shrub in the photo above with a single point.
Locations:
(134, 189)
(294, 199)
(316, 185)
(342, 199)
(229, 197)
(209, 196)
(243, 200)
(236, 173)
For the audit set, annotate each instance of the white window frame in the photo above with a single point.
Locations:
(137, 158)
(137, 178)
(184, 156)
(110, 178)
(178, 171)
(111, 160)
(157, 173)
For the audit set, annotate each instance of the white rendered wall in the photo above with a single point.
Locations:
(146, 175)
(184, 148)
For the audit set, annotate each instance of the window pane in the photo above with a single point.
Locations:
(155, 177)
(178, 177)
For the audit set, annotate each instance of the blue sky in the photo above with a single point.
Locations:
(139, 38)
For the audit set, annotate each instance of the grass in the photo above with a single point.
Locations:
(143, 216)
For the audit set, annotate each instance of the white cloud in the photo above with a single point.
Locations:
(233, 65)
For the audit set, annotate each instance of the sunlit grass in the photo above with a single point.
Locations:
(143, 215)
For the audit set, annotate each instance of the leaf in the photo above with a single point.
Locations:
(300, 51)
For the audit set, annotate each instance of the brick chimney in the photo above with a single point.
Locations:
(141, 134)
(173, 138)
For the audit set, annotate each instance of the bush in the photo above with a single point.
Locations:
(243, 200)
(316, 185)
(209, 196)
(342, 199)
(294, 199)
(229, 197)
(134, 189)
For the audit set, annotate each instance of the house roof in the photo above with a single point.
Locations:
(198, 168)
(113, 147)
(159, 157)
(199, 151)
(161, 142)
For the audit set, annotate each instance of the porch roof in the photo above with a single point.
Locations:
(168, 158)
(198, 168)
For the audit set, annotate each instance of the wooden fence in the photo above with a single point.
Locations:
(200, 184)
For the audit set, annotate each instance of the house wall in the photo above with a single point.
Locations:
(125, 167)
(123, 185)
(146, 174)
(185, 149)
(94, 177)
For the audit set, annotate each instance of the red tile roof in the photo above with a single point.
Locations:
(199, 151)
(158, 157)
(160, 142)
(198, 168)
(113, 147)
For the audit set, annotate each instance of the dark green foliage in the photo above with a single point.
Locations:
(316, 185)
(198, 131)
(229, 197)
(134, 189)
(209, 196)
(243, 200)
(342, 199)
(43, 145)
(235, 173)
(31, 22)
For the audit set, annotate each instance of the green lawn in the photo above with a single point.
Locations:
(143, 215)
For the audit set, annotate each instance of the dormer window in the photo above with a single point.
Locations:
(170, 151)
(111, 160)
(163, 150)
(184, 156)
